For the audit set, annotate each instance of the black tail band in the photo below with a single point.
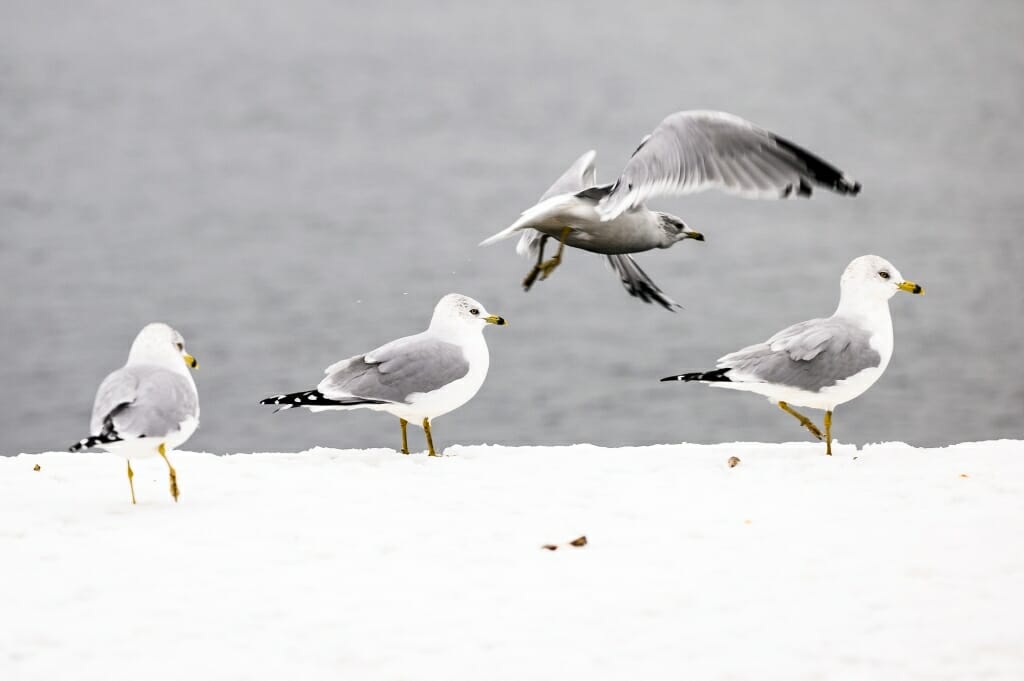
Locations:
(716, 376)
(315, 398)
(93, 440)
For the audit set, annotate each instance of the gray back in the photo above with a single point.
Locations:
(144, 400)
(397, 370)
(810, 355)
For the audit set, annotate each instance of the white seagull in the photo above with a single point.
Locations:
(688, 152)
(150, 405)
(821, 363)
(416, 378)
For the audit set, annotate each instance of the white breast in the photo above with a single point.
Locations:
(452, 396)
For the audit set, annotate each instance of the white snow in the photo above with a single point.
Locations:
(890, 562)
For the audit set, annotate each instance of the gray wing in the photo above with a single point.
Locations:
(810, 355)
(691, 151)
(143, 401)
(638, 284)
(580, 175)
(396, 370)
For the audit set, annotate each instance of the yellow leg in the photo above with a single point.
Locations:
(173, 473)
(405, 438)
(544, 268)
(804, 421)
(549, 266)
(535, 272)
(828, 433)
(131, 485)
(430, 440)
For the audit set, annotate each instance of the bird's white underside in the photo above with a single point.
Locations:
(146, 447)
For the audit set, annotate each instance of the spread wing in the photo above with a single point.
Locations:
(691, 151)
(639, 284)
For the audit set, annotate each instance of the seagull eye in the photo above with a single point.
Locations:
(883, 274)
(474, 312)
(181, 346)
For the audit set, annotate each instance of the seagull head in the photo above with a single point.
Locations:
(162, 345)
(675, 230)
(874, 277)
(460, 312)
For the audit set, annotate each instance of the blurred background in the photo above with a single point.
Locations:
(290, 184)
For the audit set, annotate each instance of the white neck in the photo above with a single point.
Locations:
(853, 306)
(873, 314)
(165, 358)
(443, 325)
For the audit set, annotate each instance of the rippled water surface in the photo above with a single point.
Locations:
(292, 183)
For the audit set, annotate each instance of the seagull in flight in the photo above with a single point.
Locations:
(689, 152)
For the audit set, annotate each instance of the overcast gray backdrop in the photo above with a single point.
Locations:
(292, 183)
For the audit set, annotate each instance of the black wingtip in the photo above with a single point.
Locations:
(638, 284)
(821, 173)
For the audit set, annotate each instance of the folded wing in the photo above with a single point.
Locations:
(810, 355)
(397, 370)
(143, 401)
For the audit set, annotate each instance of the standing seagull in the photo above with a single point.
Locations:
(688, 152)
(821, 363)
(416, 378)
(150, 405)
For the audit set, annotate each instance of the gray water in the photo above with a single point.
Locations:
(292, 183)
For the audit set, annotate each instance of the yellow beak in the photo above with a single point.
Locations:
(190, 360)
(494, 319)
(910, 287)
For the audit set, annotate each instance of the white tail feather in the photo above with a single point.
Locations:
(534, 214)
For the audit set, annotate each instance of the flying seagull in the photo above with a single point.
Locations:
(150, 405)
(821, 363)
(688, 152)
(416, 378)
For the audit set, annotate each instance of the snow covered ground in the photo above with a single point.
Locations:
(885, 563)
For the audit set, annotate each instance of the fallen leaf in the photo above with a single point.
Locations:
(733, 460)
(550, 547)
(37, 467)
(964, 475)
(579, 541)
